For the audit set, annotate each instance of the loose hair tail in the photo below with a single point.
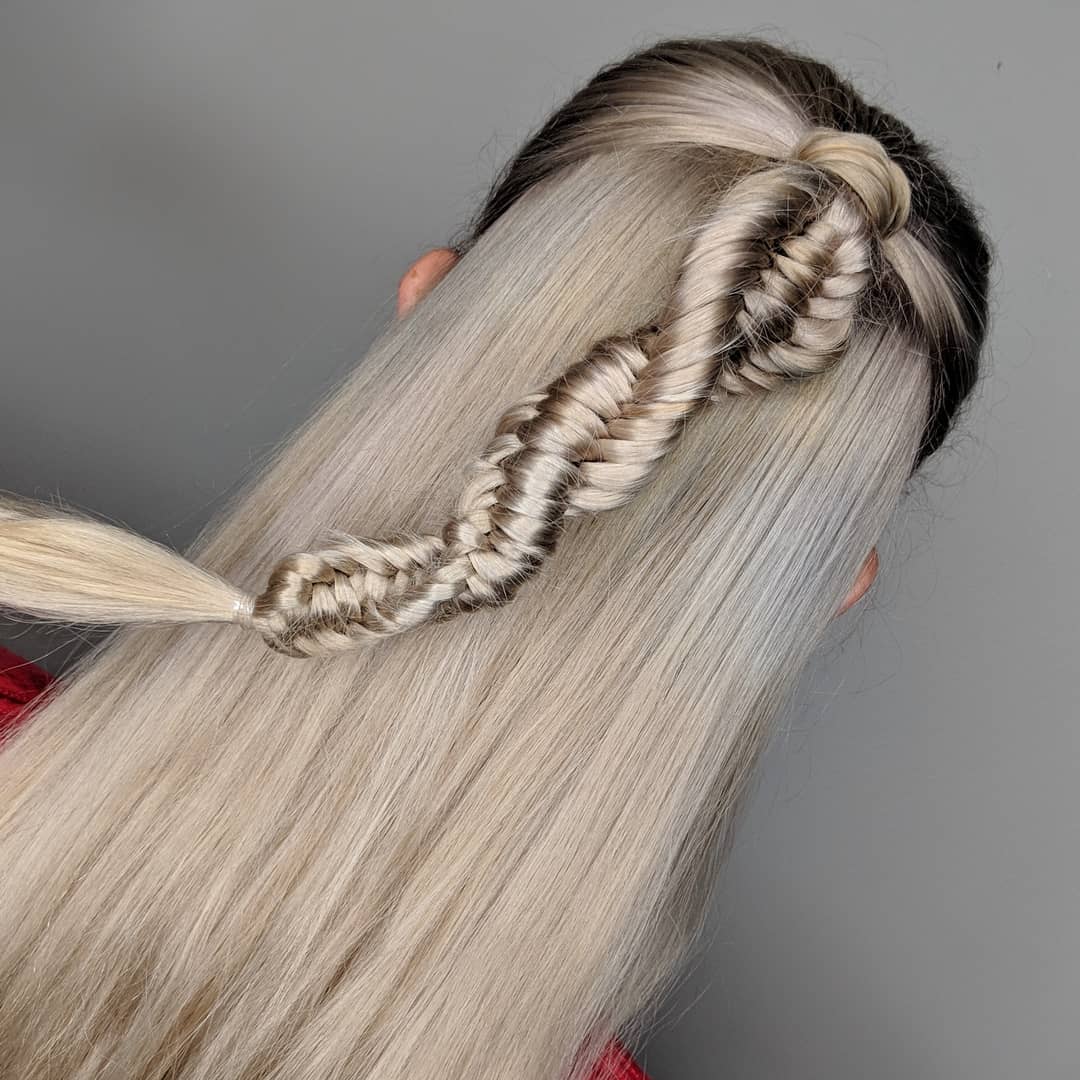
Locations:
(63, 566)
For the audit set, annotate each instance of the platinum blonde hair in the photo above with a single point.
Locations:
(708, 322)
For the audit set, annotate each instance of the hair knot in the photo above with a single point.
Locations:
(863, 164)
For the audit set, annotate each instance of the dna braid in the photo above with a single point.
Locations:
(768, 291)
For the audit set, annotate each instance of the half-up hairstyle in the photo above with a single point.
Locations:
(718, 295)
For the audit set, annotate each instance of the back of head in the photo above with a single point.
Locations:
(708, 322)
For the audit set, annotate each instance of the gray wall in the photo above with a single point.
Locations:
(204, 208)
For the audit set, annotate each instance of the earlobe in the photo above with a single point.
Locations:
(423, 276)
(862, 583)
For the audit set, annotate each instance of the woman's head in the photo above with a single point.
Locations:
(746, 97)
(821, 231)
(718, 295)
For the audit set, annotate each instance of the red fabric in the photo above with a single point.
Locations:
(22, 681)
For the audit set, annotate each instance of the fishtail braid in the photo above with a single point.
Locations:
(768, 291)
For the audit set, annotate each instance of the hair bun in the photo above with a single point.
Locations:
(863, 164)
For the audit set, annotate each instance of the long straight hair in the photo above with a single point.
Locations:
(706, 325)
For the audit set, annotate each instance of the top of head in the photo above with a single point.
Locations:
(791, 112)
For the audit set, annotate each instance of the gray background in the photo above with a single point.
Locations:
(204, 209)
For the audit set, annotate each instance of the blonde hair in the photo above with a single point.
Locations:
(718, 294)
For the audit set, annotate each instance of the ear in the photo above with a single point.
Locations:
(862, 582)
(423, 276)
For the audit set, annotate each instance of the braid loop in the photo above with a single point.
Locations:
(768, 292)
(863, 165)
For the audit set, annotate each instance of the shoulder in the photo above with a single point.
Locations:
(617, 1064)
(20, 682)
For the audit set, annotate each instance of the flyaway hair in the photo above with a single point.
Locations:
(553, 557)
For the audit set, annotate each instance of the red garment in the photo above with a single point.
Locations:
(22, 681)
